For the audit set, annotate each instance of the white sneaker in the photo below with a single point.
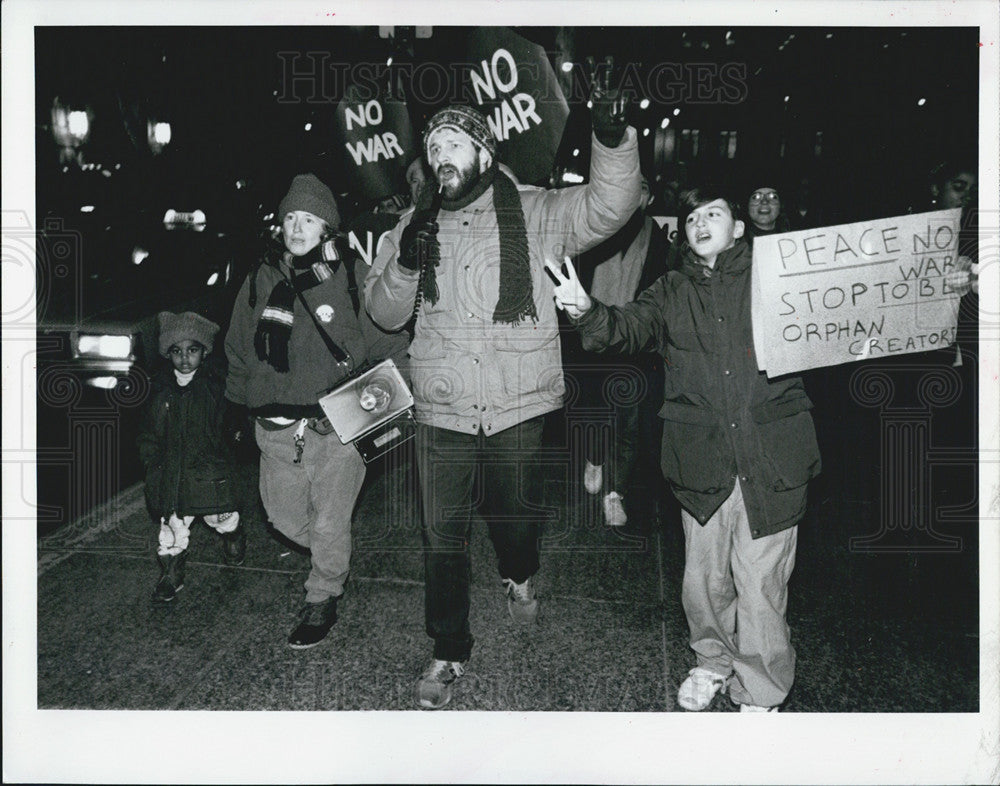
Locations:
(755, 708)
(522, 604)
(614, 511)
(593, 477)
(700, 687)
(435, 684)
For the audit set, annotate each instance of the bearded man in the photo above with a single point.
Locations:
(485, 356)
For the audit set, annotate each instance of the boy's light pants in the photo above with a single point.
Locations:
(175, 531)
(735, 594)
(311, 502)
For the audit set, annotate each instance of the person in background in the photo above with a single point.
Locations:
(615, 271)
(485, 358)
(299, 328)
(738, 450)
(189, 466)
(416, 176)
(764, 213)
(955, 184)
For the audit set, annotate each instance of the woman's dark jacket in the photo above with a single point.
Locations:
(189, 467)
(723, 418)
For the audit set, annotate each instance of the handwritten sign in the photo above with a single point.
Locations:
(377, 142)
(822, 297)
(512, 83)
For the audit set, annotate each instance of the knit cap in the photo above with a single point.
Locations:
(178, 327)
(468, 121)
(310, 194)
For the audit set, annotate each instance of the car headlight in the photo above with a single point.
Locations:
(119, 347)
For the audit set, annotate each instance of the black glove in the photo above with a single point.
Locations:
(417, 241)
(237, 428)
(608, 118)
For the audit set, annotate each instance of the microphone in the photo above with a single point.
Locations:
(432, 214)
(435, 207)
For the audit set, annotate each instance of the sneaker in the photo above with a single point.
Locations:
(614, 511)
(315, 622)
(234, 546)
(700, 687)
(434, 685)
(521, 601)
(755, 708)
(593, 477)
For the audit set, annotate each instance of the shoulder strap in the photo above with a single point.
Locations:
(349, 259)
(342, 357)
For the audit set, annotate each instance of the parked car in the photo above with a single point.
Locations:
(103, 279)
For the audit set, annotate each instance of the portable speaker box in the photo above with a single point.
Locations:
(373, 411)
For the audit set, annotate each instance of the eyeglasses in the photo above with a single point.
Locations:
(760, 196)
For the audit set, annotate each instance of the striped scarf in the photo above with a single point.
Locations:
(274, 328)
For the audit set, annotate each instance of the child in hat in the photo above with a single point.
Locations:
(189, 467)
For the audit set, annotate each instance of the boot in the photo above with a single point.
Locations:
(171, 577)
(234, 545)
(315, 621)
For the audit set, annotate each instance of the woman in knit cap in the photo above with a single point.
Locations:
(280, 365)
(189, 469)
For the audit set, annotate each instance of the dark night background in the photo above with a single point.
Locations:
(233, 116)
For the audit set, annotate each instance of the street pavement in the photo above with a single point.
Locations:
(875, 630)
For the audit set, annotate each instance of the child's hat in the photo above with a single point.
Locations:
(178, 327)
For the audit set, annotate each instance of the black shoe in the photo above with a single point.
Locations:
(234, 546)
(316, 619)
(171, 577)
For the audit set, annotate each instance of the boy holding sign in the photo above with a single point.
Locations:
(738, 450)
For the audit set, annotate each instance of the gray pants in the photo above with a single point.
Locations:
(311, 502)
(735, 594)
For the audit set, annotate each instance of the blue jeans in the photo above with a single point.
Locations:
(494, 476)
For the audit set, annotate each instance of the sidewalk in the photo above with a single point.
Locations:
(611, 635)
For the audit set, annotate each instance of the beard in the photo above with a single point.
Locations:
(463, 182)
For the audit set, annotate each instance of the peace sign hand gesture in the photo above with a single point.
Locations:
(570, 295)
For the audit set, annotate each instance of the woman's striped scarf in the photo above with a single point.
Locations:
(274, 328)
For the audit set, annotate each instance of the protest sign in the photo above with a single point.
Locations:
(668, 224)
(511, 82)
(376, 140)
(822, 297)
(365, 233)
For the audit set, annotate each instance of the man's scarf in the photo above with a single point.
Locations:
(274, 328)
(516, 298)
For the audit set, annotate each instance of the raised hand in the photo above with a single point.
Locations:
(569, 293)
(608, 105)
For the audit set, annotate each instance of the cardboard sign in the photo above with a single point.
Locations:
(511, 82)
(822, 297)
(376, 140)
